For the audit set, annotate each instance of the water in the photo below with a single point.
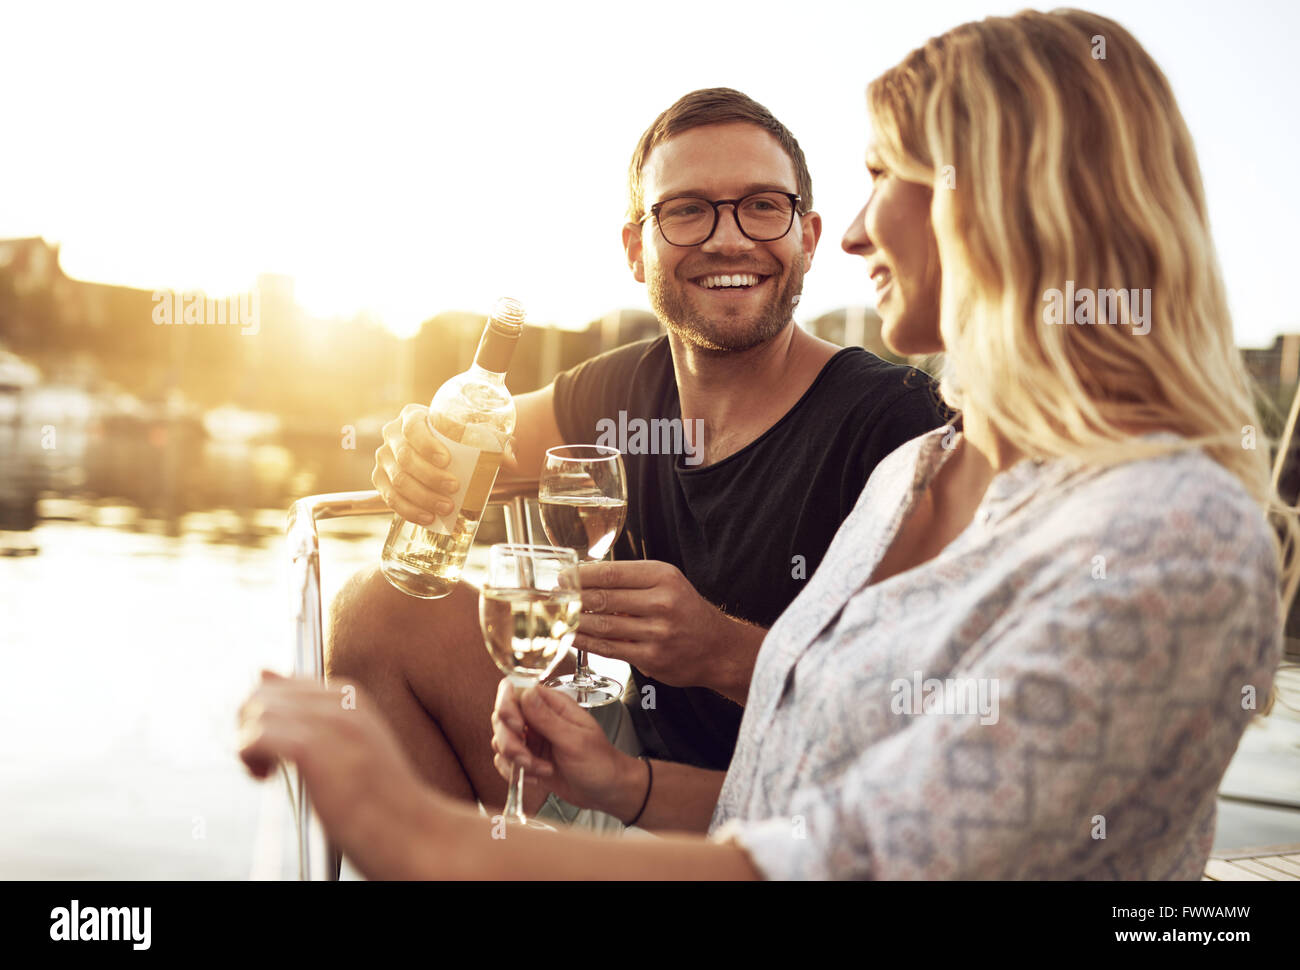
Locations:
(126, 656)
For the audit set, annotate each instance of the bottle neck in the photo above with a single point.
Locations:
(495, 349)
(487, 376)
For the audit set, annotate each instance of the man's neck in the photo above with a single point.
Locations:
(739, 395)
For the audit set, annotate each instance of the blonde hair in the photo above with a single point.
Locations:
(1056, 152)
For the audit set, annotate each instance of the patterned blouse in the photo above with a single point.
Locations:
(1056, 695)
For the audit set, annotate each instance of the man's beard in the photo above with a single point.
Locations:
(727, 333)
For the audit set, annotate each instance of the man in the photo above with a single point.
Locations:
(781, 432)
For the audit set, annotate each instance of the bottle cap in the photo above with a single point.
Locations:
(507, 316)
(499, 336)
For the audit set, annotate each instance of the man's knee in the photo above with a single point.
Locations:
(353, 609)
(372, 624)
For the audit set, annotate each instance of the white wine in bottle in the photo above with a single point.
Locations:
(473, 416)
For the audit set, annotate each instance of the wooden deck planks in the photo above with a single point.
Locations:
(1258, 867)
(1223, 871)
(1274, 864)
(1279, 863)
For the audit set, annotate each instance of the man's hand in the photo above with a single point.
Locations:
(575, 759)
(409, 468)
(649, 614)
(363, 786)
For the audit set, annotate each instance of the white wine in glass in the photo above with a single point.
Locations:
(583, 498)
(588, 524)
(528, 612)
(527, 631)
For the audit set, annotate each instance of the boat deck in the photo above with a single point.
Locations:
(1278, 863)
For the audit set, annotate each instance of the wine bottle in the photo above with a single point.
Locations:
(472, 415)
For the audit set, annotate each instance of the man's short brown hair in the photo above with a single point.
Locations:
(713, 106)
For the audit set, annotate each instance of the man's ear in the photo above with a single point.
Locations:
(812, 231)
(632, 246)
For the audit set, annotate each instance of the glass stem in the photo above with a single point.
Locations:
(514, 810)
(582, 673)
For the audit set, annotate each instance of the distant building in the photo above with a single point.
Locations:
(445, 345)
(854, 326)
(270, 357)
(1275, 368)
(32, 262)
(859, 326)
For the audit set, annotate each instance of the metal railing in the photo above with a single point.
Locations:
(318, 860)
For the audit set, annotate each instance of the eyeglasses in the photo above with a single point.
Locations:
(762, 217)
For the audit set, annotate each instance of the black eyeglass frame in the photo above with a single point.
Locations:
(735, 213)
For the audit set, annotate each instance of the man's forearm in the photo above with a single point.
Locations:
(737, 652)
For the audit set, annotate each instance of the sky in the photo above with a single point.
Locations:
(401, 159)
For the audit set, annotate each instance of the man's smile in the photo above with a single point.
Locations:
(731, 282)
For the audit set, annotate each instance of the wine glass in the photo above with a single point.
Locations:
(528, 611)
(583, 495)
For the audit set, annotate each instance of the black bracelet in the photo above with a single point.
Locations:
(645, 801)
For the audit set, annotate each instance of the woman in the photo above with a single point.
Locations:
(1037, 661)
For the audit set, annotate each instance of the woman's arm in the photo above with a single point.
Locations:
(579, 764)
(682, 798)
(453, 842)
(392, 826)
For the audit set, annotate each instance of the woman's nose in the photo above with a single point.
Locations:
(856, 242)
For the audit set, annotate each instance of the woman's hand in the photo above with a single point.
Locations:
(362, 784)
(574, 759)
